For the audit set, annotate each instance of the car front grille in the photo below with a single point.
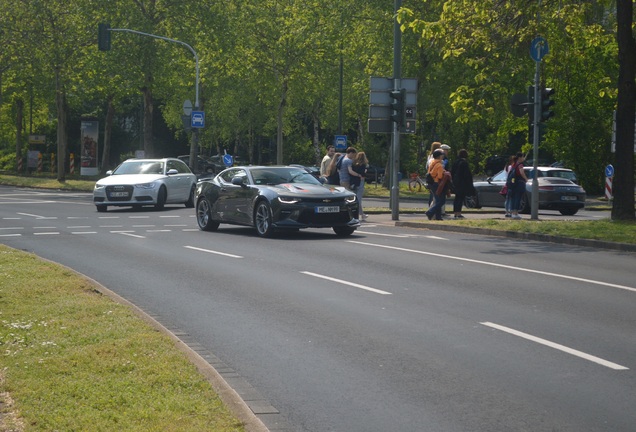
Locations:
(119, 193)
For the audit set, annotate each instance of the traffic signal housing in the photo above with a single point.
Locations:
(398, 105)
(103, 37)
(546, 104)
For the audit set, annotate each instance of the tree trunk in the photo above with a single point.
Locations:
(108, 133)
(623, 185)
(19, 103)
(148, 110)
(279, 132)
(316, 139)
(62, 136)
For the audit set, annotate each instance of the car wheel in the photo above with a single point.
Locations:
(568, 212)
(472, 202)
(343, 231)
(161, 198)
(263, 219)
(524, 207)
(102, 208)
(204, 216)
(190, 202)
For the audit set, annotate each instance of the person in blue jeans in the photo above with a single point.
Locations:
(439, 186)
(518, 185)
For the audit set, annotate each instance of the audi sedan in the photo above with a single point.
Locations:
(142, 182)
(271, 198)
(557, 191)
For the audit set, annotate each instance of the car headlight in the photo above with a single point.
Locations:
(150, 185)
(99, 186)
(288, 200)
(351, 199)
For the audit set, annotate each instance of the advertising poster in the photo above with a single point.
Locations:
(90, 133)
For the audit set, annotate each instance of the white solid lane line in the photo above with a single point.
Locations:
(492, 264)
(556, 346)
(213, 252)
(340, 281)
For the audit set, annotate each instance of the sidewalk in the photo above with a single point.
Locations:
(415, 218)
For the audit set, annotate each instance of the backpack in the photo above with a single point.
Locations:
(512, 175)
(334, 179)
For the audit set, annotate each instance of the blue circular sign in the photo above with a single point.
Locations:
(609, 171)
(228, 160)
(539, 48)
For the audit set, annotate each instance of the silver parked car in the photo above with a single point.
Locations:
(557, 191)
(141, 182)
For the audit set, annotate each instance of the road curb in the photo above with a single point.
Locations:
(624, 247)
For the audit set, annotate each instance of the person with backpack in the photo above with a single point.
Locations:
(333, 177)
(516, 183)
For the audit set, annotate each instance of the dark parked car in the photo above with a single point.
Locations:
(203, 165)
(375, 174)
(557, 191)
(274, 197)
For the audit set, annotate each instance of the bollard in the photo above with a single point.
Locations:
(72, 164)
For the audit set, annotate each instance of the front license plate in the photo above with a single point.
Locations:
(327, 209)
(568, 198)
(119, 194)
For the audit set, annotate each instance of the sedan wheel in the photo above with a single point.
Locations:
(161, 198)
(343, 231)
(524, 207)
(263, 219)
(204, 216)
(568, 211)
(190, 202)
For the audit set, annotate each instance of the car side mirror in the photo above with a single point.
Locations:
(238, 181)
(172, 172)
(489, 180)
(109, 172)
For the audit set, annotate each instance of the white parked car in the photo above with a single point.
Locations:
(142, 182)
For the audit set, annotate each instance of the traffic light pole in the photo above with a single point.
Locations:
(534, 204)
(394, 194)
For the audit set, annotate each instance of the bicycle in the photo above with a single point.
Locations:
(416, 183)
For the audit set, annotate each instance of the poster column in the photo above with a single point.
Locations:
(88, 150)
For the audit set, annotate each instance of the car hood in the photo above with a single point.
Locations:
(305, 189)
(130, 179)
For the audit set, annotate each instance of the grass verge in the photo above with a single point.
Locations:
(73, 359)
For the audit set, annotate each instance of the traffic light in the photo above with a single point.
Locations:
(546, 104)
(398, 106)
(103, 37)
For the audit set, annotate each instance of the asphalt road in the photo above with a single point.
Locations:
(391, 329)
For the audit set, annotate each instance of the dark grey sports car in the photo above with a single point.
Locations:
(274, 197)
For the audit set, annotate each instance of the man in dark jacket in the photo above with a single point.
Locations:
(462, 182)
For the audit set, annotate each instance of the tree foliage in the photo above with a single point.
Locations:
(270, 74)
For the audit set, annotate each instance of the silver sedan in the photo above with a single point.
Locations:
(141, 182)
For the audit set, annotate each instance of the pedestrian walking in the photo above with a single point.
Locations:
(359, 167)
(441, 181)
(326, 160)
(345, 171)
(462, 182)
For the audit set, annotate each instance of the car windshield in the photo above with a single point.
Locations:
(139, 167)
(280, 175)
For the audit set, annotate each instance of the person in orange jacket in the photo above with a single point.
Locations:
(439, 187)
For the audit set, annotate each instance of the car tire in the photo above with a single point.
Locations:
(524, 206)
(102, 208)
(190, 202)
(472, 202)
(204, 216)
(343, 231)
(568, 212)
(263, 219)
(161, 198)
